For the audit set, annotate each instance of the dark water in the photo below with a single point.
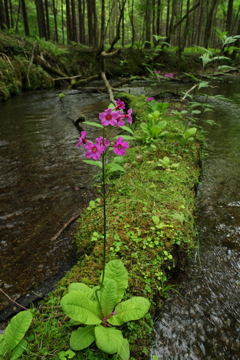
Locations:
(204, 323)
(41, 170)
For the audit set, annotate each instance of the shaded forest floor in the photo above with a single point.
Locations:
(26, 65)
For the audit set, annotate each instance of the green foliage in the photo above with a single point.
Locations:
(12, 344)
(99, 309)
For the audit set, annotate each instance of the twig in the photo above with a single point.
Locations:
(13, 300)
(30, 63)
(192, 88)
(72, 219)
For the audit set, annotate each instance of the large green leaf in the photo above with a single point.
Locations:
(108, 297)
(3, 348)
(18, 350)
(78, 307)
(124, 351)
(94, 162)
(93, 124)
(81, 287)
(115, 270)
(82, 338)
(111, 167)
(108, 340)
(17, 328)
(132, 309)
(126, 128)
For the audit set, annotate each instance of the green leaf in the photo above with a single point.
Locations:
(203, 84)
(82, 338)
(132, 309)
(108, 297)
(115, 270)
(93, 162)
(126, 128)
(93, 124)
(112, 167)
(3, 347)
(111, 106)
(81, 287)
(126, 137)
(69, 354)
(18, 350)
(17, 328)
(78, 307)
(155, 219)
(124, 351)
(190, 132)
(108, 340)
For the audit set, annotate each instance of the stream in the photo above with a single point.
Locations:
(204, 322)
(43, 183)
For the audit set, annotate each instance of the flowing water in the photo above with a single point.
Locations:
(204, 323)
(43, 183)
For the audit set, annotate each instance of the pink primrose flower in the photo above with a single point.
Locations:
(129, 116)
(120, 121)
(150, 98)
(94, 150)
(120, 146)
(171, 75)
(157, 72)
(120, 104)
(109, 117)
(82, 139)
(166, 75)
(102, 142)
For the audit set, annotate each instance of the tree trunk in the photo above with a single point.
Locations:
(55, 21)
(41, 19)
(2, 16)
(7, 13)
(208, 27)
(25, 19)
(74, 23)
(229, 16)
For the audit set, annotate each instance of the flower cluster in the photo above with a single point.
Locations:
(113, 117)
(158, 72)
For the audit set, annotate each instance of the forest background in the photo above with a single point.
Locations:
(137, 23)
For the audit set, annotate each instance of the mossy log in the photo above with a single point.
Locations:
(48, 68)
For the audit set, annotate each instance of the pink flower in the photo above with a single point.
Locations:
(109, 117)
(157, 72)
(150, 98)
(94, 150)
(120, 104)
(129, 116)
(102, 142)
(166, 75)
(120, 146)
(120, 121)
(82, 139)
(171, 75)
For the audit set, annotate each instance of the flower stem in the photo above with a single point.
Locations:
(104, 217)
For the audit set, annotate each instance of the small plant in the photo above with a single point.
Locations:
(100, 309)
(12, 344)
(166, 164)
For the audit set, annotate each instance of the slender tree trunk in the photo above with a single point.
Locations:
(81, 7)
(25, 18)
(158, 18)
(69, 22)
(2, 16)
(229, 16)
(74, 23)
(7, 13)
(55, 21)
(90, 23)
(41, 19)
(208, 27)
(47, 21)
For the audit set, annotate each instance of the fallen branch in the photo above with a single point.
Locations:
(109, 88)
(71, 220)
(48, 68)
(187, 92)
(68, 77)
(13, 300)
(84, 82)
